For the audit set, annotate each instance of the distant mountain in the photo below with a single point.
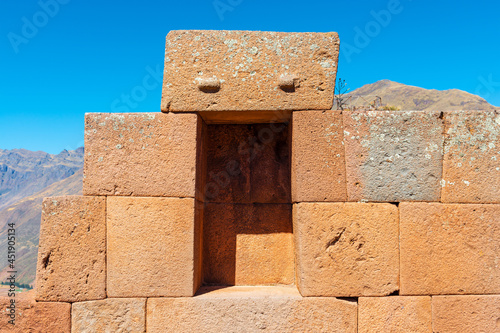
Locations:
(404, 97)
(24, 172)
(26, 214)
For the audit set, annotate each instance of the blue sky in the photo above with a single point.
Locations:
(62, 58)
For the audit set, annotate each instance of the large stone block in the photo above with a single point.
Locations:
(109, 315)
(251, 309)
(318, 157)
(153, 249)
(466, 314)
(449, 248)
(248, 163)
(393, 155)
(141, 154)
(395, 314)
(249, 70)
(35, 317)
(471, 170)
(71, 263)
(245, 244)
(346, 249)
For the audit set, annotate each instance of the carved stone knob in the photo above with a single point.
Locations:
(288, 82)
(208, 85)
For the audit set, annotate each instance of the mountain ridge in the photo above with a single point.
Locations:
(406, 97)
(24, 172)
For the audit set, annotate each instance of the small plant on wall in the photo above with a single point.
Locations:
(340, 91)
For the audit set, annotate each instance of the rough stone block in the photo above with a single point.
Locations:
(395, 314)
(109, 315)
(248, 163)
(449, 248)
(251, 309)
(318, 157)
(71, 263)
(393, 155)
(471, 169)
(346, 249)
(152, 247)
(249, 70)
(35, 317)
(141, 154)
(466, 314)
(248, 244)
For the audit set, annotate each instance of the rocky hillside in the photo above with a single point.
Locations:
(24, 172)
(404, 97)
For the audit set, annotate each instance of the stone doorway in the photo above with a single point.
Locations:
(247, 223)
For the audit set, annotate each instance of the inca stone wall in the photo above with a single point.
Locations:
(249, 205)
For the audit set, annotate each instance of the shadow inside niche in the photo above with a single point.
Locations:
(247, 227)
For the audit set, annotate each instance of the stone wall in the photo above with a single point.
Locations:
(216, 216)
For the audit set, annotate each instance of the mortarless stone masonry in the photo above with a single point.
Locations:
(72, 250)
(248, 163)
(471, 166)
(393, 155)
(141, 154)
(249, 71)
(468, 313)
(346, 249)
(248, 244)
(449, 249)
(35, 317)
(229, 211)
(109, 315)
(153, 235)
(318, 157)
(251, 309)
(394, 314)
